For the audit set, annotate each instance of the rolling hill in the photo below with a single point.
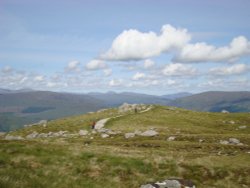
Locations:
(210, 149)
(215, 101)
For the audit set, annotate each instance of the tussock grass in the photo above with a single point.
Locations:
(119, 162)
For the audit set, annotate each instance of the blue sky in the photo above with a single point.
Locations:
(149, 46)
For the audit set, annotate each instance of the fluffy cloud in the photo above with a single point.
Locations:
(39, 78)
(177, 69)
(96, 64)
(202, 52)
(148, 63)
(107, 72)
(234, 69)
(135, 45)
(115, 82)
(138, 76)
(73, 66)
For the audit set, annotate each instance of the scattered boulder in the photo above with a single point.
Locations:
(32, 135)
(225, 112)
(243, 127)
(231, 141)
(10, 137)
(171, 138)
(104, 135)
(149, 133)
(83, 132)
(224, 142)
(231, 122)
(129, 135)
(137, 132)
(234, 141)
(171, 183)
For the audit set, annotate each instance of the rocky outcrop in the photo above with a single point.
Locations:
(131, 107)
(170, 183)
(149, 133)
(10, 137)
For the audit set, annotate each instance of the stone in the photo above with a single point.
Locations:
(93, 132)
(149, 133)
(231, 122)
(104, 135)
(147, 186)
(10, 137)
(138, 133)
(129, 135)
(32, 135)
(170, 183)
(171, 138)
(224, 142)
(225, 112)
(83, 132)
(243, 127)
(234, 141)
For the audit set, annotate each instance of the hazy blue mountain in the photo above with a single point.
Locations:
(216, 101)
(115, 99)
(176, 95)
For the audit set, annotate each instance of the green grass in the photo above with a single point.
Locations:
(119, 162)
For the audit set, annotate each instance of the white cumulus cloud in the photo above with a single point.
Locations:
(73, 66)
(138, 76)
(96, 64)
(234, 69)
(148, 63)
(135, 45)
(202, 52)
(177, 69)
(115, 82)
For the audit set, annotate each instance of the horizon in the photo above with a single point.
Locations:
(150, 47)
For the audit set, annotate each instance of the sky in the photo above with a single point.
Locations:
(146, 46)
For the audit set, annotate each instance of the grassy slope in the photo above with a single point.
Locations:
(120, 162)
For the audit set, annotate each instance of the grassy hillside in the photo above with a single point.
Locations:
(216, 101)
(93, 161)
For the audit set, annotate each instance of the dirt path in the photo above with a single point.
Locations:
(101, 123)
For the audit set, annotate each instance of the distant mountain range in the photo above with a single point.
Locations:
(215, 101)
(25, 106)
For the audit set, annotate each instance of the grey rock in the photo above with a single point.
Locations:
(243, 127)
(225, 112)
(129, 135)
(138, 133)
(234, 141)
(149, 133)
(83, 132)
(224, 142)
(104, 135)
(10, 137)
(171, 138)
(172, 184)
(147, 186)
(32, 135)
(231, 122)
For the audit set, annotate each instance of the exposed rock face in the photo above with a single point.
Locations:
(129, 135)
(131, 107)
(149, 133)
(83, 132)
(170, 183)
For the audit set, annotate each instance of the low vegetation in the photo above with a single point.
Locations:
(195, 153)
